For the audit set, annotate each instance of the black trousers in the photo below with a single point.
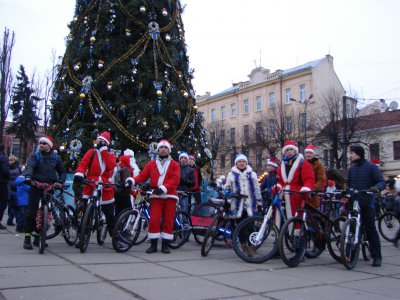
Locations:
(33, 206)
(368, 220)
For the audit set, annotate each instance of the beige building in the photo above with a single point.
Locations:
(240, 118)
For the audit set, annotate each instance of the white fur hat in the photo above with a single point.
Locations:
(241, 156)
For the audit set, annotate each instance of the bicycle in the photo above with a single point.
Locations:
(44, 213)
(353, 235)
(308, 232)
(93, 217)
(259, 233)
(388, 225)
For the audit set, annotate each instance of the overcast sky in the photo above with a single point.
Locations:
(227, 38)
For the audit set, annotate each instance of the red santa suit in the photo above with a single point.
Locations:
(300, 178)
(101, 169)
(165, 176)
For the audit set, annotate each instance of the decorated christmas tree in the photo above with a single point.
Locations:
(126, 70)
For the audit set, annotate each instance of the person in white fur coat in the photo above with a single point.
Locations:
(133, 164)
(243, 180)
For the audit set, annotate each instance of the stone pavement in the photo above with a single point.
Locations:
(62, 272)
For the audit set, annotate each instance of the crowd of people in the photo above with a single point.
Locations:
(166, 176)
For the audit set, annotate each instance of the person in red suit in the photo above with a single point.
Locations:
(296, 174)
(164, 175)
(98, 164)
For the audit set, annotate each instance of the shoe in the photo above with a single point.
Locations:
(36, 242)
(19, 228)
(164, 247)
(27, 243)
(377, 262)
(153, 247)
(2, 227)
(10, 223)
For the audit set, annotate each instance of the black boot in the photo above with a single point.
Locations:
(153, 247)
(36, 242)
(27, 243)
(164, 246)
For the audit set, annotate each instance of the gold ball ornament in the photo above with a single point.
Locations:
(92, 39)
(159, 93)
(82, 95)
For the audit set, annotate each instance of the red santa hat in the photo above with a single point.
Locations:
(192, 156)
(310, 148)
(184, 154)
(376, 161)
(105, 136)
(331, 183)
(290, 145)
(165, 143)
(272, 161)
(241, 156)
(49, 141)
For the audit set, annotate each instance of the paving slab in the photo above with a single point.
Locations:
(101, 258)
(98, 291)
(30, 259)
(383, 286)
(186, 288)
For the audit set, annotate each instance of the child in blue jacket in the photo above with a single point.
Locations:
(22, 202)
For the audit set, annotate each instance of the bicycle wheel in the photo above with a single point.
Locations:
(86, 227)
(333, 243)
(142, 230)
(292, 241)
(365, 250)
(124, 232)
(54, 226)
(182, 229)
(70, 226)
(253, 242)
(388, 225)
(43, 229)
(101, 232)
(349, 247)
(211, 235)
(315, 240)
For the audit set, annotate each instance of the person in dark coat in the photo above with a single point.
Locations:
(15, 171)
(269, 181)
(364, 175)
(4, 179)
(187, 180)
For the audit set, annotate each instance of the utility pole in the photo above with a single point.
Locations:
(344, 162)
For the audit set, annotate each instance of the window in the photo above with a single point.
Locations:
(233, 156)
(212, 136)
(213, 115)
(271, 125)
(258, 131)
(222, 137)
(271, 99)
(302, 92)
(246, 132)
(258, 103)
(233, 135)
(302, 121)
(396, 150)
(223, 112)
(222, 164)
(288, 95)
(259, 158)
(233, 110)
(374, 151)
(288, 124)
(246, 106)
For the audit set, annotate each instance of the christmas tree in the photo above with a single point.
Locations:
(126, 70)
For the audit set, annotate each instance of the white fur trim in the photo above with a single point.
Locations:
(103, 139)
(103, 148)
(309, 150)
(163, 188)
(162, 169)
(103, 202)
(154, 235)
(167, 236)
(305, 189)
(241, 157)
(295, 165)
(79, 174)
(272, 163)
(47, 141)
(164, 143)
(184, 155)
(129, 153)
(290, 147)
(130, 179)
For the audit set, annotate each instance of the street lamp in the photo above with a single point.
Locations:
(305, 102)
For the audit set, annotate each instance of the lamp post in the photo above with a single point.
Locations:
(305, 102)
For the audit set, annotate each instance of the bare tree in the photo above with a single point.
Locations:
(5, 77)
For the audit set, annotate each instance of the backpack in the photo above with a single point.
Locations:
(117, 179)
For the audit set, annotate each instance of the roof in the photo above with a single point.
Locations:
(380, 120)
(285, 73)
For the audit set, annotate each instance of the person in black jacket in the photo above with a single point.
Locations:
(46, 166)
(364, 175)
(4, 178)
(187, 180)
(269, 181)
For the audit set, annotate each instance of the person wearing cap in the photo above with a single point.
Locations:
(98, 165)
(242, 180)
(295, 174)
(164, 175)
(187, 180)
(269, 181)
(319, 173)
(198, 179)
(364, 175)
(44, 165)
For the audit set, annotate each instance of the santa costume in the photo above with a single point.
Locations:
(164, 175)
(296, 174)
